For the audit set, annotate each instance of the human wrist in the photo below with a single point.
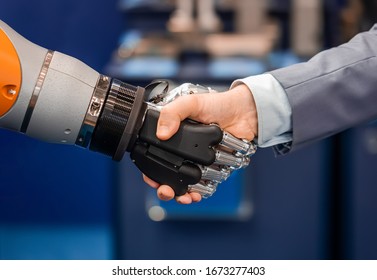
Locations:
(273, 109)
(246, 106)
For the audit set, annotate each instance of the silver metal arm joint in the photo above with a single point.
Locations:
(94, 110)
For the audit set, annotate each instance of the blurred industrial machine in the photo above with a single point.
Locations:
(213, 41)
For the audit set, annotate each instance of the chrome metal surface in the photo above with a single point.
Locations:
(213, 174)
(239, 145)
(93, 112)
(37, 90)
(206, 189)
(182, 90)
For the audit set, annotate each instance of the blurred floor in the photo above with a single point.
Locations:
(22, 242)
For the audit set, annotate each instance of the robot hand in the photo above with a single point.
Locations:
(197, 158)
(56, 98)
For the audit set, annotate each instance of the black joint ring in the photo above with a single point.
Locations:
(114, 117)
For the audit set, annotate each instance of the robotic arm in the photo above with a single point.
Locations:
(56, 98)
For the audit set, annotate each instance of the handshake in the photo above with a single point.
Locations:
(184, 141)
(191, 139)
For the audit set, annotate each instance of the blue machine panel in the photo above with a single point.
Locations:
(360, 180)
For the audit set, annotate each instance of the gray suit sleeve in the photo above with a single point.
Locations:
(335, 90)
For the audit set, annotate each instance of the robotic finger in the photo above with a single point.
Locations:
(215, 173)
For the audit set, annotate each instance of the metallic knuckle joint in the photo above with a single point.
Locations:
(239, 145)
(206, 189)
(182, 90)
(213, 174)
(233, 161)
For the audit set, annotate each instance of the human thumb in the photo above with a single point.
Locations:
(173, 113)
(168, 125)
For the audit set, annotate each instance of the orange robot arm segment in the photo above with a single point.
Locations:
(10, 74)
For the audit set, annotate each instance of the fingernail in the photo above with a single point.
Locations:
(183, 200)
(163, 130)
(161, 195)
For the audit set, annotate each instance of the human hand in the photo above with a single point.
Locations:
(234, 111)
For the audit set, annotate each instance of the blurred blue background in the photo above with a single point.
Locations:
(61, 202)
